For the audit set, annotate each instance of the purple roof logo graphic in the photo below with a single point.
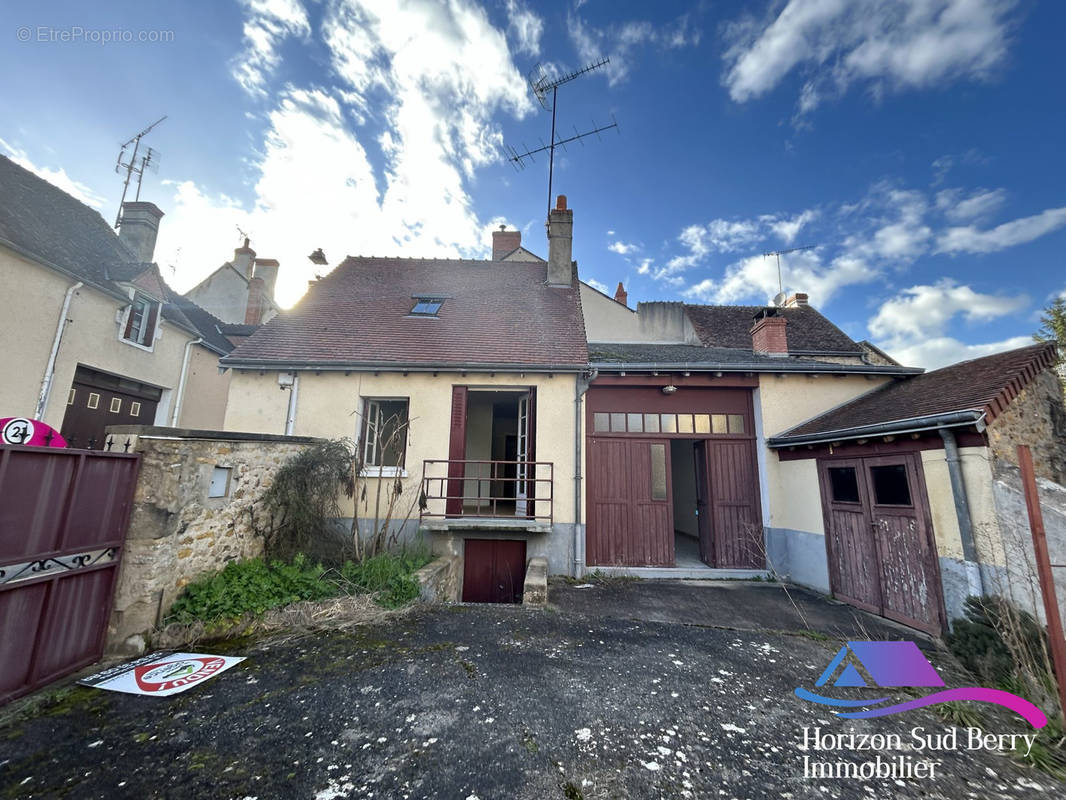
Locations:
(893, 665)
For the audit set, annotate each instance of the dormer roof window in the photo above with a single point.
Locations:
(141, 320)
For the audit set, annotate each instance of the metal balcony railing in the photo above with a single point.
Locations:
(480, 488)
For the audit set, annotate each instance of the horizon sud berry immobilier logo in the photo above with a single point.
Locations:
(899, 665)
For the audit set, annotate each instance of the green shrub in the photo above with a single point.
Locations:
(978, 642)
(390, 576)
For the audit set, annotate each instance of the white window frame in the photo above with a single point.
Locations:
(148, 338)
(368, 441)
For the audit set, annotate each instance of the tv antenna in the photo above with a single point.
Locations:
(779, 298)
(150, 160)
(541, 85)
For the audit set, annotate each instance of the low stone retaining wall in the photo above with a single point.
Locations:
(178, 531)
(441, 580)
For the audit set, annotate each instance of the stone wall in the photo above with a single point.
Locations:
(177, 532)
(441, 580)
(1036, 418)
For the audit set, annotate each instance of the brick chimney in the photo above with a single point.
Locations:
(504, 242)
(244, 259)
(768, 337)
(560, 244)
(139, 227)
(796, 300)
(620, 294)
(253, 314)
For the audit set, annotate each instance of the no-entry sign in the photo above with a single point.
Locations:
(161, 674)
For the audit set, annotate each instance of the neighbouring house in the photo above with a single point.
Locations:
(93, 336)
(241, 291)
(460, 382)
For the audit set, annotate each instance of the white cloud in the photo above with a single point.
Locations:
(961, 206)
(525, 26)
(969, 239)
(913, 325)
(57, 177)
(267, 24)
(597, 285)
(787, 229)
(622, 248)
(392, 182)
(883, 44)
(620, 42)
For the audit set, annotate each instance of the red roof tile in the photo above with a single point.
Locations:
(496, 313)
(986, 384)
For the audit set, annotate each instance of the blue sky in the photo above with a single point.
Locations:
(916, 145)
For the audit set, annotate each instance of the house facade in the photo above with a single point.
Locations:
(459, 382)
(93, 335)
(241, 291)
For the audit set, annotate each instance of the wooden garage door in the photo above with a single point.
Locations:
(882, 557)
(494, 570)
(97, 400)
(736, 521)
(630, 515)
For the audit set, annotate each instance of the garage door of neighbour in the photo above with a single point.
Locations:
(882, 557)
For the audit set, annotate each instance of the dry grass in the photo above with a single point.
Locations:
(307, 616)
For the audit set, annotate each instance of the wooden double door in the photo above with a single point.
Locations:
(879, 538)
(631, 505)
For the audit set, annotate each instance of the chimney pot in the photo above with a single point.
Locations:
(253, 314)
(560, 203)
(621, 295)
(768, 336)
(139, 227)
(798, 299)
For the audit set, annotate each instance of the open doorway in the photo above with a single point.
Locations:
(686, 503)
(497, 446)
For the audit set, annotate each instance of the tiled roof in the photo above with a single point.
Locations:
(495, 313)
(45, 222)
(700, 357)
(984, 385)
(807, 330)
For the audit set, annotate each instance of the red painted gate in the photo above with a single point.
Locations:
(63, 519)
(882, 557)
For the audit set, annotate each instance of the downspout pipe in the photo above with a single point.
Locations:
(580, 387)
(50, 367)
(962, 503)
(290, 416)
(181, 381)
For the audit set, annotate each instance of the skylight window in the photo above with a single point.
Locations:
(426, 306)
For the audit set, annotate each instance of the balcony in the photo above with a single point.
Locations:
(488, 495)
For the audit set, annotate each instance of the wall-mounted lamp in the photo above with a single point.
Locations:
(669, 389)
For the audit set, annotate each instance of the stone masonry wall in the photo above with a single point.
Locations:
(177, 533)
(1036, 418)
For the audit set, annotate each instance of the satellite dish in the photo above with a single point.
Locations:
(779, 299)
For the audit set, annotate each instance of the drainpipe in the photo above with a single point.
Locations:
(50, 367)
(581, 386)
(290, 417)
(962, 504)
(181, 381)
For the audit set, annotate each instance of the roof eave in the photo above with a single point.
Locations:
(392, 366)
(952, 419)
(786, 366)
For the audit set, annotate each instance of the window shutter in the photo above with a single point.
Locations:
(149, 328)
(127, 331)
(457, 452)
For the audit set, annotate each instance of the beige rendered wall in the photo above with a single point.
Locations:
(977, 477)
(206, 392)
(224, 293)
(784, 401)
(328, 406)
(91, 338)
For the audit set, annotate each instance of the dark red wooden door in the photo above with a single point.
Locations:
(63, 522)
(456, 453)
(882, 556)
(736, 520)
(494, 570)
(630, 516)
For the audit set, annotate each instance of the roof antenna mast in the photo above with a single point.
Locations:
(779, 298)
(541, 85)
(134, 166)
